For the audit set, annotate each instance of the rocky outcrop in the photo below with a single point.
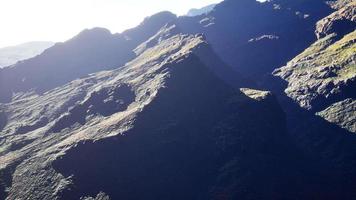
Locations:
(341, 113)
(338, 4)
(256, 94)
(341, 22)
(323, 73)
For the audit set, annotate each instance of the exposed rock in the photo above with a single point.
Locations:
(342, 113)
(3, 119)
(256, 94)
(100, 196)
(341, 22)
(338, 4)
(264, 37)
(322, 73)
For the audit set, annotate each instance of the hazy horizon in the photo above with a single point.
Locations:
(59, 20)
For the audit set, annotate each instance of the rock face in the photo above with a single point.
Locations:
(341, 22)
(13, 54)
(342, 113)
(256, 94)
(324, 74)
(326, 70)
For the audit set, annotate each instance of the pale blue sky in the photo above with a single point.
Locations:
(58, 20)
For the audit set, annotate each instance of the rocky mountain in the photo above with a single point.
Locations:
(144, 106)
(242, 31)
(188, 108)
(200, 11)
(13, 54)
(324, 74)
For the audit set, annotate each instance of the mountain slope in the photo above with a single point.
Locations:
(161, 116)
(326, 69)
(135, 85)
(13, 54)
(162, 124)
(74, 59)
(323, 76)
(244, 32)
(175, 144)
(84, 110)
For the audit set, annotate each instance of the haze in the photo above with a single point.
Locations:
(58, 20)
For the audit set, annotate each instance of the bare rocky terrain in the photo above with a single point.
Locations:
(324, 74)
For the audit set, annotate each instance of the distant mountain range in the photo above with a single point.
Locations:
(250, 101)
(11, 55)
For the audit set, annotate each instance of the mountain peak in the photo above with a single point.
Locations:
(93, 33)
(163, 15)
(199, 11)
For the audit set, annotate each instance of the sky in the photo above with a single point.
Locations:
(58, 20)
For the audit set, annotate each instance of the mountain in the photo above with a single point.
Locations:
(204, 10)
(13, 54)
(74, 59)
(323, 76)
(243, 32)
(141, 110)
(249, 101)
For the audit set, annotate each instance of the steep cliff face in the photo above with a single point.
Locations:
(342, 113)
